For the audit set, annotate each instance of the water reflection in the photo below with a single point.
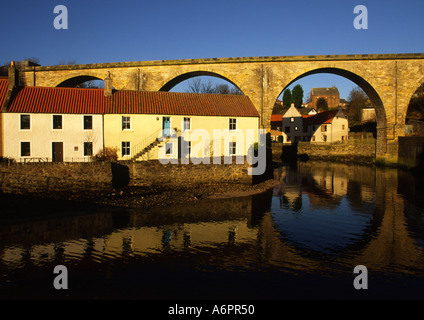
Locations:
(318, 219)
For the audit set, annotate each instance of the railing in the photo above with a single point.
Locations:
(50, 160)
(136, 151)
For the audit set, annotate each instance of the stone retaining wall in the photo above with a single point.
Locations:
(57, 179)
(155, 173)
(91, 179)
(362, 151)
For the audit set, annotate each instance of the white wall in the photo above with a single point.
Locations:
(41, 135)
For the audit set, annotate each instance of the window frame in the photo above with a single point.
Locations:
(187, 120)
(21, 149)
(127, 148)
(232, 148)
(232, 124)
(89, 143)
(84, 122)
(54, 117)
(21, 122)
(126, 123)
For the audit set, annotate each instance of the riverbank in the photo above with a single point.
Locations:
(24, 207)
(145, 197)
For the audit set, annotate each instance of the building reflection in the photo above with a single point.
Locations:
(237, 232)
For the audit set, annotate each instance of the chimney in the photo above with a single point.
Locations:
(13, 76)
(13, 84)
(108, 86)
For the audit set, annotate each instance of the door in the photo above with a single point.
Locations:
(57, 151)
(166, 126)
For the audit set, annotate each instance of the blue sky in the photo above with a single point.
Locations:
(114, 31)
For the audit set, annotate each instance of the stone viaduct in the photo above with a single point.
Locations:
(389, 80)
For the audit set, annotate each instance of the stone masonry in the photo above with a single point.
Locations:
(389, 80)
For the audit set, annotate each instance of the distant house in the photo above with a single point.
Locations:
(292, 124)
(330, 96)
(286, 125)
(328, 126)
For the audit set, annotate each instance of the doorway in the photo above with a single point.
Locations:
(57, 151)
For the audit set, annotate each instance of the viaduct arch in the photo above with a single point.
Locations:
(390, 80)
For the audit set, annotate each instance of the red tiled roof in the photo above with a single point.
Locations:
(276, 118)
(4, 86)
(324, 117)
(177, 103)
(58, 100)
(93, 101)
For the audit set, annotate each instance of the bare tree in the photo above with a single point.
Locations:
(197, 86)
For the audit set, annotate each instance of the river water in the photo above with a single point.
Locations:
(300, 240)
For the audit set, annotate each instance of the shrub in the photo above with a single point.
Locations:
(6, 160)
(107, 154)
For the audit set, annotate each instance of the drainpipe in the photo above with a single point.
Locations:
(33, 76)
(103, 132)
(262, 96)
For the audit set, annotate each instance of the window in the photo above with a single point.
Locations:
(88, 148)
(169, 148)
(324, 138)
(57, 122)
(233, 124)
(88, 122)
(126, 148)
(324, 128)
(186, 124)
(126, 123)
(291, 119)
(343, 126)
(296, 128)
(25, 149)
(25, 122)
(233, 148)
